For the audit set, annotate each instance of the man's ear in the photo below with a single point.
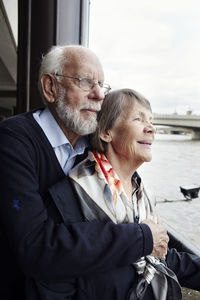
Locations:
(49, 87)
(106, 136)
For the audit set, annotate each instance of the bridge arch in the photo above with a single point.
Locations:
(191, 122)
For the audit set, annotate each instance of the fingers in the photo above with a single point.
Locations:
(160, 238)
(160, 248)
(159, 220)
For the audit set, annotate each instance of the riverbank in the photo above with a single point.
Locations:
(190, 294)
(183, 217)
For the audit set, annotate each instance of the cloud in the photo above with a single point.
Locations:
(151, 46)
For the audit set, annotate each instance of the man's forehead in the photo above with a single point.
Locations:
(85, 64)
(76, 56)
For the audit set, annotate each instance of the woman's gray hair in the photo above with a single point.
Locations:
(116, 103)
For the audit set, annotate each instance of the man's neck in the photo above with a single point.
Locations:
(70, 135)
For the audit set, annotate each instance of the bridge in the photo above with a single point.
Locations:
(191, 122)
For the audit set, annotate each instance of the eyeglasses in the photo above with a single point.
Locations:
(87, 84)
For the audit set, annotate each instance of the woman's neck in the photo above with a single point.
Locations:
(124, 170)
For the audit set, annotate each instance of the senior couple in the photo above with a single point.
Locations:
(76, 220)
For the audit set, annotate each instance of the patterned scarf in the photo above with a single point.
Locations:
(97, 178)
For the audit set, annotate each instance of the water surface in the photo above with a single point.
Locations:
(175, 163)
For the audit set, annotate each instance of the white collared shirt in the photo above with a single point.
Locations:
(63, 149)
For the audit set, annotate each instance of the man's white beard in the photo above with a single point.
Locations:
(71, 117)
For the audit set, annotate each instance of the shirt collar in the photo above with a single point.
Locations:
(136, 179)
(54, 133)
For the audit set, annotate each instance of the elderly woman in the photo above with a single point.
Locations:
(106, 187)
(107, 182)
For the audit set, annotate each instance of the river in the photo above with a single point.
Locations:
(175, 163)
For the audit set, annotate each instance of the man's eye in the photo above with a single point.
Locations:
(100, 84)
(86, 80)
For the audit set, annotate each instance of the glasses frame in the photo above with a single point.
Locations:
(100, 84)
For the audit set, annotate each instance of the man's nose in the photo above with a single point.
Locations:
(97, 92)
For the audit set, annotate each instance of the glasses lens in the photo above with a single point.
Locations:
(86, 84)
(106, 88)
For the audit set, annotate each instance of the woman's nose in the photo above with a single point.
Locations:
(150, 127)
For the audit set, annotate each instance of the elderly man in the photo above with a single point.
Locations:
(38, 149)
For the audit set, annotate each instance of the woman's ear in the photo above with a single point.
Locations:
(49, 87)
(106, 136)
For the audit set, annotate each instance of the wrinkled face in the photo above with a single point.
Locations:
(133, 135)
(76, 108)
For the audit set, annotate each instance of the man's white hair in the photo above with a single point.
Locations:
(54, 61)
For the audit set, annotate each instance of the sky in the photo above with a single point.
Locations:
(152, 46)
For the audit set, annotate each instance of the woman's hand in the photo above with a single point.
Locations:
(160, 238)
